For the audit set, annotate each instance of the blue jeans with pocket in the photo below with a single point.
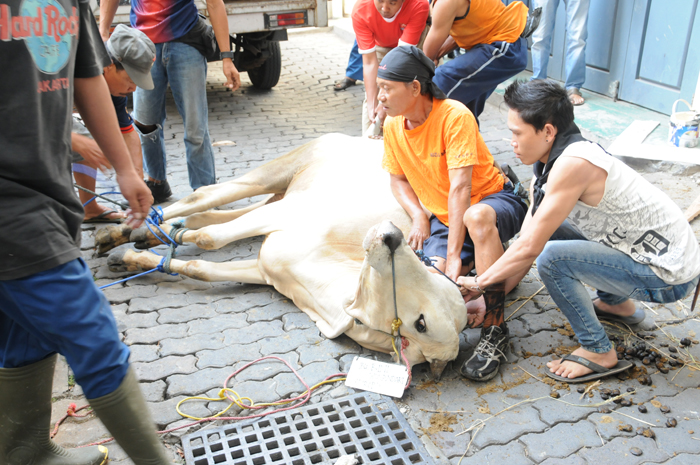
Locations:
(576, 35)
(185, 69)
(567, 263)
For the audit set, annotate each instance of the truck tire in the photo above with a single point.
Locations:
(267, 75)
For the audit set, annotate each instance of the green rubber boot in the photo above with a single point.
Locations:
(25, 420)
(125, 414)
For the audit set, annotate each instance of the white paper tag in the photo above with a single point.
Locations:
(383, 378)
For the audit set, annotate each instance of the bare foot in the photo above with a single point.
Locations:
(476, 310)
(93, 210)
(575, 370)
(626, 308)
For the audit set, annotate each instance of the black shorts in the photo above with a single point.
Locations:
(510, 214)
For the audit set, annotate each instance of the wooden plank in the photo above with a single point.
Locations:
(693, 210)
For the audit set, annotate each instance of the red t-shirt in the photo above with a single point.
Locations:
(372, 29)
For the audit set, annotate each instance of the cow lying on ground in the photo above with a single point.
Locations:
(331, 224)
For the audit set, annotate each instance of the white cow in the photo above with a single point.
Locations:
(331, 223)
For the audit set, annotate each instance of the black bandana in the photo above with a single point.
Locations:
(542, 170)
(407, 63)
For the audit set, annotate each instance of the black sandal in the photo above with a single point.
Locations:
(343, 84)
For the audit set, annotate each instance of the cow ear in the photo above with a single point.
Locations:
(370, 307)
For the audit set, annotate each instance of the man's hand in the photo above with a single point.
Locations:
(420, 231)
(379, 113)
(233, 78)
(139, 197)
(467, 286)
(90, 151)
(371, 110)
(453, 268)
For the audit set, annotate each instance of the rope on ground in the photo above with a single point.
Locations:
(71, 412)
(95, 195)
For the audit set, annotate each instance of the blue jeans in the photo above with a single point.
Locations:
(186, 70)
(566, 264)
(62, 311)
(474, 75)
(354, 69)
(576, 35)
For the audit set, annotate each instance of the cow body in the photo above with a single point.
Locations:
(329, 224)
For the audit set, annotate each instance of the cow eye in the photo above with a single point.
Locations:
(420, 324)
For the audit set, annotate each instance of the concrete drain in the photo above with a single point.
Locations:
(366, 424)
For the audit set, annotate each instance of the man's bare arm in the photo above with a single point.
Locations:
(407, 198)
(133, 144)
(108, 8)
(458, 201)
(370, 66)
(96, 108)
(443, 16)
(219, 21)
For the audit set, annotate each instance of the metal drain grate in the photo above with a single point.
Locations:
(366, 424)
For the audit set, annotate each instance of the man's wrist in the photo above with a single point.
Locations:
(227, 55)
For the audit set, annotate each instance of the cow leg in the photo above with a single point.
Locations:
(242, 271)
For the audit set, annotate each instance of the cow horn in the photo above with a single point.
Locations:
(436, 368)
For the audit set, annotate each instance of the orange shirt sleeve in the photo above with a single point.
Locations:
(460, 140)
(389, 161)
(416, 25)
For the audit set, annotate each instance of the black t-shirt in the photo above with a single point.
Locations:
(44, 44)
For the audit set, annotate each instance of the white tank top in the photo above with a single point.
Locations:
(637, 219)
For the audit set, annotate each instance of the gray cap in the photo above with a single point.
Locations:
(135, 51)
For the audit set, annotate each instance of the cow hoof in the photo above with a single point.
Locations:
(110, 237)
(144, 239)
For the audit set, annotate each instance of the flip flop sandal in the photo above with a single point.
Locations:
(102, 218)
(634, 319)
(573, 91)
(343, 84)
(598, 371)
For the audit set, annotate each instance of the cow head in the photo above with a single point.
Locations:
(430, 307)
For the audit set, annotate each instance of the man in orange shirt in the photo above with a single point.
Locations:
(379, 26)
(490, 32)
(437, 158)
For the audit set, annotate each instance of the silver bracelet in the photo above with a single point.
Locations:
(477, 285)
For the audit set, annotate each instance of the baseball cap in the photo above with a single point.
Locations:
(135, 51)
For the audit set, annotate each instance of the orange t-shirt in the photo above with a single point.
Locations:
(448, 139)
(489, 21)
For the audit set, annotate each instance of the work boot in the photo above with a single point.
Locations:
(160, 190)
(25, 420)
(125, 414)
(486, 359)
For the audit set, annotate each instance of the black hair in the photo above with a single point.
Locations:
(540, 102)
(115, 61)
(424, 87)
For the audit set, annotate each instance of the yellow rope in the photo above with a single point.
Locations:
(238, 400)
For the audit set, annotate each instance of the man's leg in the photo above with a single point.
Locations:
(565, 266)
(473, 76)
(542, 38)
(149, 117)
(354, 69)
(576, 35)
(85, 176)
(61, 310)
(187, 70)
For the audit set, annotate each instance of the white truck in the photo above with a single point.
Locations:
(256, 29)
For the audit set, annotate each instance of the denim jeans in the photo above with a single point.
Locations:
(186, 70)
(566, 264)
(576, 35)
(354, 69)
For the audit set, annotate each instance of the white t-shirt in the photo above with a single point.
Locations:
(637, 219)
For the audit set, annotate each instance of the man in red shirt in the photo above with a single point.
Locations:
(381, 25)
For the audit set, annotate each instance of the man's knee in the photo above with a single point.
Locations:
(546, 259)
(145, 128)
(480, 221)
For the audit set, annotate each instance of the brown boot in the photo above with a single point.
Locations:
(25, 420)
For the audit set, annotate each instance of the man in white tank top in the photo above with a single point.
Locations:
(593, 221)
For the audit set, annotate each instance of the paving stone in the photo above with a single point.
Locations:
(290, 341)
(165, 367)
(184, 285)
(185, 314)
(571, 460)
(288, 383)
(214, 294)
(512, 454)
(73, 433)
(561, 440)
(149, 304)
(120, 293)
(517, 328)
(679, 439)
(143, 353)
(135, 320)
(509, 426)
(228, 355)
(164, 413)
(273, 311)
(683, 459)
(191, 344)
(619, 448)
(217, 324)
(60, 378)
(299, 320)
(549, 320)
(542, 343)
(254, 332)
(197, 382)
(153, 392)
(155, 334)
(328, 348)
(243, 302)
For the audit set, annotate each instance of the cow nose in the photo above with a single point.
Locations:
(392, 239)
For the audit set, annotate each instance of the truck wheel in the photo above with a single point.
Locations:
(267, 75)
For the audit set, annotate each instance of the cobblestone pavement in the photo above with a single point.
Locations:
(187, 336)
